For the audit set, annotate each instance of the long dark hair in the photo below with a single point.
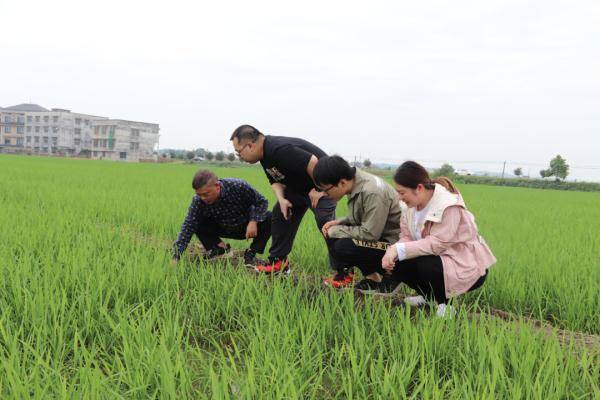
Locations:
(410, 174)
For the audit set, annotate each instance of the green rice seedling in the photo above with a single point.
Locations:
(91, 308)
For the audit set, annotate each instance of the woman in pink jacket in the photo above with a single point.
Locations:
(440, 253)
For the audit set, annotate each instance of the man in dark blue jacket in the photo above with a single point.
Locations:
(228, 208)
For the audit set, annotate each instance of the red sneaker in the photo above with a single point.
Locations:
(276, 266)
(340, 280)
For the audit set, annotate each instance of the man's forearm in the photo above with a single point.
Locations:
(279, 190)
(311, 166)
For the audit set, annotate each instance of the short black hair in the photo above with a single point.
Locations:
(202, 177)
(330, 170)
(246, 132)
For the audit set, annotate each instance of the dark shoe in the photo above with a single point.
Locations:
(216, 252)
(340, 280)
(388, 286)
(274, 266)
(368, 286)
(250, 259)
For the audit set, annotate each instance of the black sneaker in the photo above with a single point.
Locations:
(250, 259)
(216, 252)
(368, 286)
(388, 286)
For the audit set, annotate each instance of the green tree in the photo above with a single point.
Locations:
(444, 170)
(200, 152)
(189, 155)
(559, 167)
(367, 163)
(220, 156)
(209, 156)
(231, 157)
(518, 171)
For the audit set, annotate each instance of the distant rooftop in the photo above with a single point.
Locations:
(27, 107)
(30, 107)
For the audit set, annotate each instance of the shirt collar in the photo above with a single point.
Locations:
(359, 181)
(224, 190)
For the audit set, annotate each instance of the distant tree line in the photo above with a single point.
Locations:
(197, 154)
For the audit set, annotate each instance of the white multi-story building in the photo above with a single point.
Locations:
(34, 129)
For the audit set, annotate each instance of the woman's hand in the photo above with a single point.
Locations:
(388, 262)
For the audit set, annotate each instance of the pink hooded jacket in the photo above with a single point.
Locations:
(449, 231)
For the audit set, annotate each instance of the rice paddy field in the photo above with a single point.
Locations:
(90, 306)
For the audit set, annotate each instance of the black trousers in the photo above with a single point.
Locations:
(348, 254)
(284, 231)
(425, 274)
(209, 232)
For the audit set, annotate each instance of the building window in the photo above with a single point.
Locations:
(37, 119)
(104, 130)
(95, 153)
(77, 142)
(55, 129)
(7, 119)
(135, 133)
(7, 129)
(36, 139)
(86, 122)
(46, 118)
(123, 155)
(28, 139)
(7, 141)
(20, 129)
(54, 141)
(29, 129)
(19, 141)
(55, 119)
(29, 118)
(37, 129)
(45, 139)
(78, 131)
(134, 146)
(46, 129)
(77, 121)
(20, 119)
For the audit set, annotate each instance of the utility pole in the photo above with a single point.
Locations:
(503, 168)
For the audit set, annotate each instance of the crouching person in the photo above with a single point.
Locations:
(440, 253)
(373, 222)
(228, 208)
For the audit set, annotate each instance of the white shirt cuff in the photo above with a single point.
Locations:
(401, 249)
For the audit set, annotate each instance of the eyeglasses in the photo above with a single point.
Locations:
(320, 189)
(239, 152)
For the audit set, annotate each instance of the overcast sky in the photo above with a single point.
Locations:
(473, 83)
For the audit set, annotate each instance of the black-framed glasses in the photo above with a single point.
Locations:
(320, 189)
(239, 152)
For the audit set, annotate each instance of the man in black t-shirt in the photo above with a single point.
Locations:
(288, 163)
